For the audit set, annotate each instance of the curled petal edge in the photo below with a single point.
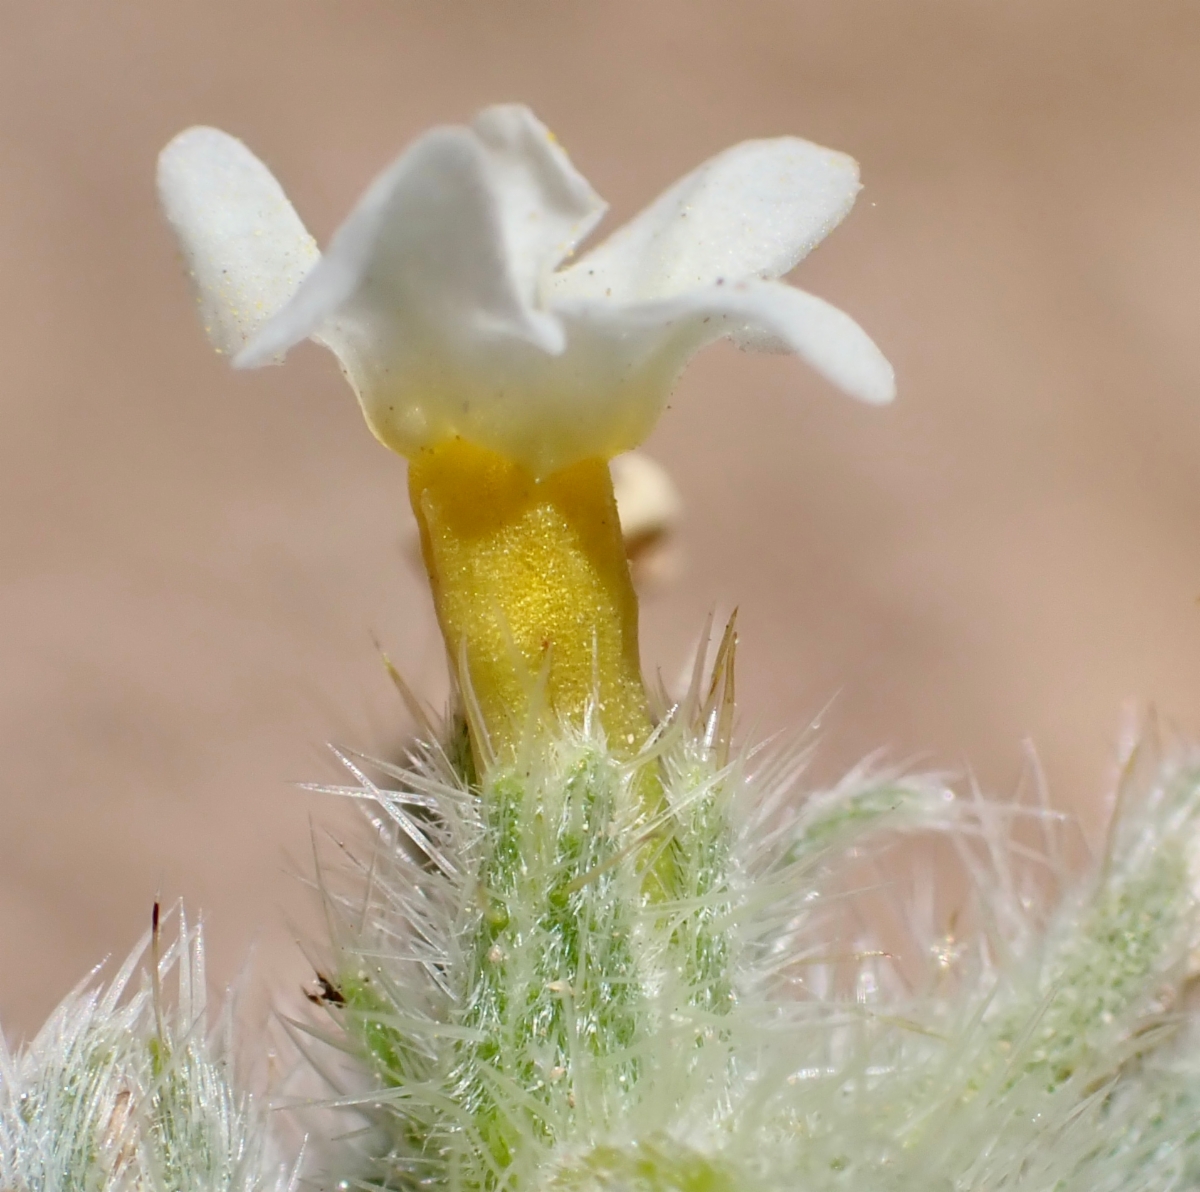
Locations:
(247, 251)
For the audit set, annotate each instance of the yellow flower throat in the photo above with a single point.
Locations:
(532, 592)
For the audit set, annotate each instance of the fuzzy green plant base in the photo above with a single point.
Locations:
(118, 1091)
(552, 989)
(534, 982)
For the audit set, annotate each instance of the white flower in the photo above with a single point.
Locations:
(446, 298)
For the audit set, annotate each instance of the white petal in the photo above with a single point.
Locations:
(753, 211)
(655, 339)
(421, 253)
(782, 318)
(448, 248)
(429, 295)
(603, 393)
(546, 207)
(246, 249)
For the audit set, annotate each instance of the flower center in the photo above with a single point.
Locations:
(532, 592)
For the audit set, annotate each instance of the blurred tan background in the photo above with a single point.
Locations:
(193, 562)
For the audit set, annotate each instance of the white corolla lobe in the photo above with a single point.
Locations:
(454, 300)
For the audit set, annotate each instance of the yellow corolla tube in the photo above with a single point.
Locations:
(533, 594)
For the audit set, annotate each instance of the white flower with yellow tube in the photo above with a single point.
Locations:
(509, 377)
(611, 958)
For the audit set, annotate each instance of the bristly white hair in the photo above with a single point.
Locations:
(125, 1090)
(539, 978)
(550, 988)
